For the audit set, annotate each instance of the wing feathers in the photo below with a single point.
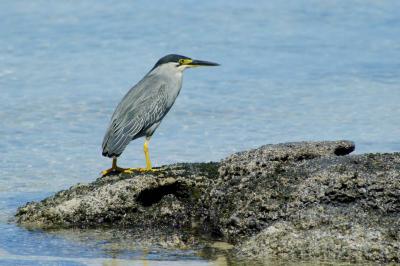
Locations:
(138, 111)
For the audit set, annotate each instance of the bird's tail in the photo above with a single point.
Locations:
(105, 145)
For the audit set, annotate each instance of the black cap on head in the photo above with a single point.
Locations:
(170, 58)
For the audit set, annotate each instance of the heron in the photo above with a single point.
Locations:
(144, 106)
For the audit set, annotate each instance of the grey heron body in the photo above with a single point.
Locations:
(142, 109)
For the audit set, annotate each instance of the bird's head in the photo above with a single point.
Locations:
(180, 62)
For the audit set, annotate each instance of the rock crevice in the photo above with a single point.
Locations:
(302, 200)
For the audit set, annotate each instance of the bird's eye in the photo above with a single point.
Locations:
(181, 61)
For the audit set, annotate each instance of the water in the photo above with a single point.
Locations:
(290, 71)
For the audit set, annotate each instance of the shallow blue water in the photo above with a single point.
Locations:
(290, 71)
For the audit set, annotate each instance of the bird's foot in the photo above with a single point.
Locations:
(142, 170)
(119, 170)
(115, 170)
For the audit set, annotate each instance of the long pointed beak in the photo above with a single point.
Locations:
(202, 63)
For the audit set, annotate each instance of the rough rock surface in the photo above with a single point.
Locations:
(170, 197)
(306, 200)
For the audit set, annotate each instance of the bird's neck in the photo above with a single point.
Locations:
(176, 80)
(172, 76)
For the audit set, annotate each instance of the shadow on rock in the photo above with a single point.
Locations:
(304, 200)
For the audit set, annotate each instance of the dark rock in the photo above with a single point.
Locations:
(303, 200)
(171, 197)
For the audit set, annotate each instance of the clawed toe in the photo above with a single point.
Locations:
(127, 171)
(142, 170)
(115, 170)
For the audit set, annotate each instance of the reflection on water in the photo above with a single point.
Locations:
(118, 247)
(42, 260)
(115, 247)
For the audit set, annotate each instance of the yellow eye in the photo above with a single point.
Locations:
(181, 61)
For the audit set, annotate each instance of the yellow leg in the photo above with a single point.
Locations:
(146, 154)
(115, 169)
(148, 162)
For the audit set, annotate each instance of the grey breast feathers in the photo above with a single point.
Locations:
(143, 106)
